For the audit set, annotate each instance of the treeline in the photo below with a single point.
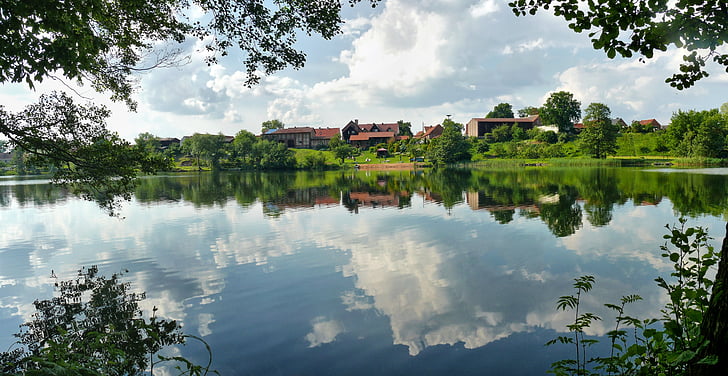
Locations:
(690, 134)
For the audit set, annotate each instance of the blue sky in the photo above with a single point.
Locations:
(411, 60)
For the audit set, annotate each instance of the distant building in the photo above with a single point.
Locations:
(164, 143)
(6, 157)
(430, 132)
(651, 123)
(302, 137)
(478, 127)
(366, 135)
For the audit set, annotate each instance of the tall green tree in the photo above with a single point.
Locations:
(205, 146)
(270, 155)
(271, 124)
(697, 133)
(599, 137)
(562, 110)
(451, 146)
(501, 110)
(405, 128)
(243, 145)
(626, 28)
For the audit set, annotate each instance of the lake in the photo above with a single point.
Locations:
(365, 272)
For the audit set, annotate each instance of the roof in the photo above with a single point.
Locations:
(652, 122)
(368, 127)
(429, 130)
(295, 130)
(327, 132)
(369, 135)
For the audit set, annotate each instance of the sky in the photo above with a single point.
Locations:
(412, 60)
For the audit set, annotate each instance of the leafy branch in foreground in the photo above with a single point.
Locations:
(627, 27)
(95, 327)
(675, 345)
(74, 142)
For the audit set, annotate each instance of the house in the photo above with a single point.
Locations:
(166, 142)
(620, 123)
(354, 128)
(367, 139)
(478, 127)
(323, 136)
(302, 137)
(651, 123)
(430, 132)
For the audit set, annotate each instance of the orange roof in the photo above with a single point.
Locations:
(652, 122)
(326, 132)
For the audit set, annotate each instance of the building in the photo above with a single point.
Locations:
(302, 137)
(478, 127)
(366, 135)
(430, 132)
(651, 123)
(354, 128)
(166, 142)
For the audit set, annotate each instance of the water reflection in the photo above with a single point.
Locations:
(296, 269)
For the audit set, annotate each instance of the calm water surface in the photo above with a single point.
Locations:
(364, 273)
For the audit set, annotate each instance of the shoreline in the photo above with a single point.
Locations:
(392, 166)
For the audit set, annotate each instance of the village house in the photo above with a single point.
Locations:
(166, 142)
(651, 123)
(302, 137)
(366, 135)
(478, 127)
(429, 132)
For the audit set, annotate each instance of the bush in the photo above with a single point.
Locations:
(94, 327)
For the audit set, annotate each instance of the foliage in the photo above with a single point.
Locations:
(271, 124)
(94, 327)
(314, 160)
(697, 133)
(562, 110)
(74, 140)
(272, 155)
(502, 133)
(451, 146)
(343, 151)
(242, 145)
(528, 111)
(106, 42)
(502, 110)
(147, 142)
(549, 137)
(627, 27)
(405, 128)
(673, 347)
(205, 146)
(599, 137)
